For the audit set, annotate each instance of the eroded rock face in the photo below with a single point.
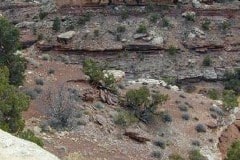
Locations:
(13, 148)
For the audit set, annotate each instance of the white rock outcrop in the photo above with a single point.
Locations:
(13, 148)
(117, 74)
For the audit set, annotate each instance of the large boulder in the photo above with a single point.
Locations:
(66, 37)
(138, 135)
(13, 148)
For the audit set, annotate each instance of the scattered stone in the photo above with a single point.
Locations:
(137, 134)
(212, 125)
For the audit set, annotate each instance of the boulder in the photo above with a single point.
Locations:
(137, 134)
(190, 13)
(66, 37)
(139, 35)
(117, 74)
(196, 4)
(13, 148)
(209, 74)
(157, 41)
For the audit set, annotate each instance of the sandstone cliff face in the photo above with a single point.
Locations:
(13, 148)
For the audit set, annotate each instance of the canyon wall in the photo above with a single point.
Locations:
(106, 2)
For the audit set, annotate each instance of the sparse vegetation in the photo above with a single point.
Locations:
(138, 100)
(172, 50)
(56, 24)
(201, 128)
(213, 94)
(207, 61)
(125, 118)
(42, 15)
(185, 116)
(206, 25)
(29, 135)
(166, 118)
(165, 22)
(196, 155)
(160, 144)
(190, 17)
(229, 99)
(234, 151)
(154, 18)
(175, 157)
(96, 33)
(39, 82)
(156, 154)
(97, 76)
(84, 19)
(121, 29)
(225, 25)
(141, 28)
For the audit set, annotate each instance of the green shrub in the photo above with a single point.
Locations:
(29, 135)
(160, 144)
(125, 118)
(225, 25)
(175, 157)
(121, 29)
(172, 50)
(190, 17)
(166, 118)
(207, 61)
(154, 18)
(185, 116)
(9, 43)
(141, 29)
(138, 98)
(196, 155)
(42, 15)
(234, 151)
(96, 32)
(12, 103)
(84, 19)
(201, 128)
(229, 99)
(32, 94)
(166, 23)
(206, 25)
(56, 24)
(46, 57)
(39, 82)
(143, 104)
(124, 14)
(213, 94)
(156, 154)
(51, 71)
(97, 75)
